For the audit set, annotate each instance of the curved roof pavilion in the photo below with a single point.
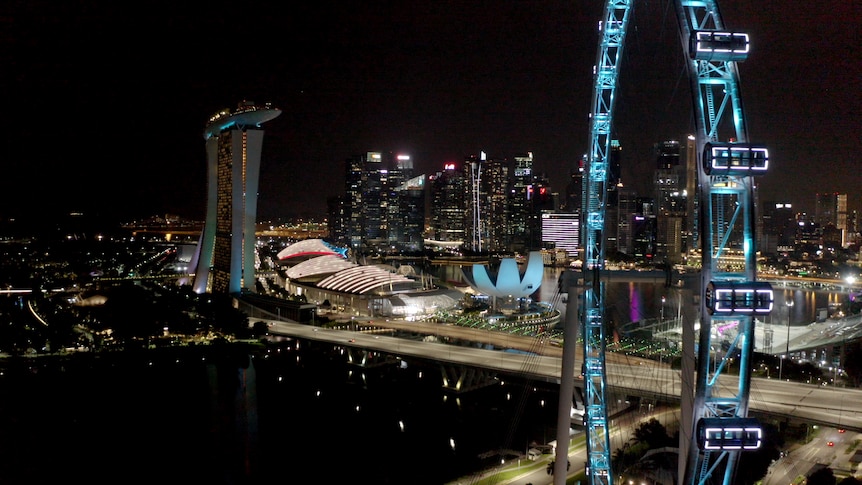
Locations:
(319, 264)
(367, 279)
(319, 267)
(306, 249)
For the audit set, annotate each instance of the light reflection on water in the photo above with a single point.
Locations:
(632, 301)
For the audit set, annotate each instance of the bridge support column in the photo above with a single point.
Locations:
(463, 379)
(368, 359)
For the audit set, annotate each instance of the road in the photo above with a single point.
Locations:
(801, 460)
(577, 452)
(828, 406)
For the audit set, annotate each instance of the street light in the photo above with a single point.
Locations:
(661, 317)
(789, 304)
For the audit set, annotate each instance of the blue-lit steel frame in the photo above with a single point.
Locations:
(612, 32)
(727, 241)
(727, 237)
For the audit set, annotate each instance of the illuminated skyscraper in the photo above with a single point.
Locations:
(575, 188)
(614, 183)
(669, 185)
(627, 209)
(450, 203)
(831, 208)
(521, 203)
(831, 214)
(691, 205)
(562, 230)
(474, 165)
(779, 225)
(226, 250)
(495, 216)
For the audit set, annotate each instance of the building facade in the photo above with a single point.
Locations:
(669, 184)
(225, 260)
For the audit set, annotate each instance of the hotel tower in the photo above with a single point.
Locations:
(225, 257)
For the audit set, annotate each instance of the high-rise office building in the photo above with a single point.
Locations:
(669, 185)
(489, 195)
(831, 210)
(374, 201)
(644, 231)
(853, 227)
(691, 195)
(497, 179)
(354, 199)
(627, 208)
(407, 224)
(615, 163)
(544, 200)
(398, 202)
(383, 208)
(521, 204)
(474, 165)
(612, 213)
(365, 204)
(562, 230)
(779, 228)
(809, 234)
(338, 212)
(575, 188)
(475, 203)
(226, 250)
(450, 204)
(667, 154)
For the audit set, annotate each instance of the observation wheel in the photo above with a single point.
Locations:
(715, 427)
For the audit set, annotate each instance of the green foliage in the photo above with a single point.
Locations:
(653, 434)
(627, 456)
(756, 463)
(823, 476)
(259, 329)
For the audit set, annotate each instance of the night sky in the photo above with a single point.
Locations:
(105, 102)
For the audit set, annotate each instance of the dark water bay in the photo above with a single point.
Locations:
(234, 417)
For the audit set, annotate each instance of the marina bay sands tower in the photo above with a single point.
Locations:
(225, 256)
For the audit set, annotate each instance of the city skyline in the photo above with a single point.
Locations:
(88, 126)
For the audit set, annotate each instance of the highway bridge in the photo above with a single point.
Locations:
(532, 358)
